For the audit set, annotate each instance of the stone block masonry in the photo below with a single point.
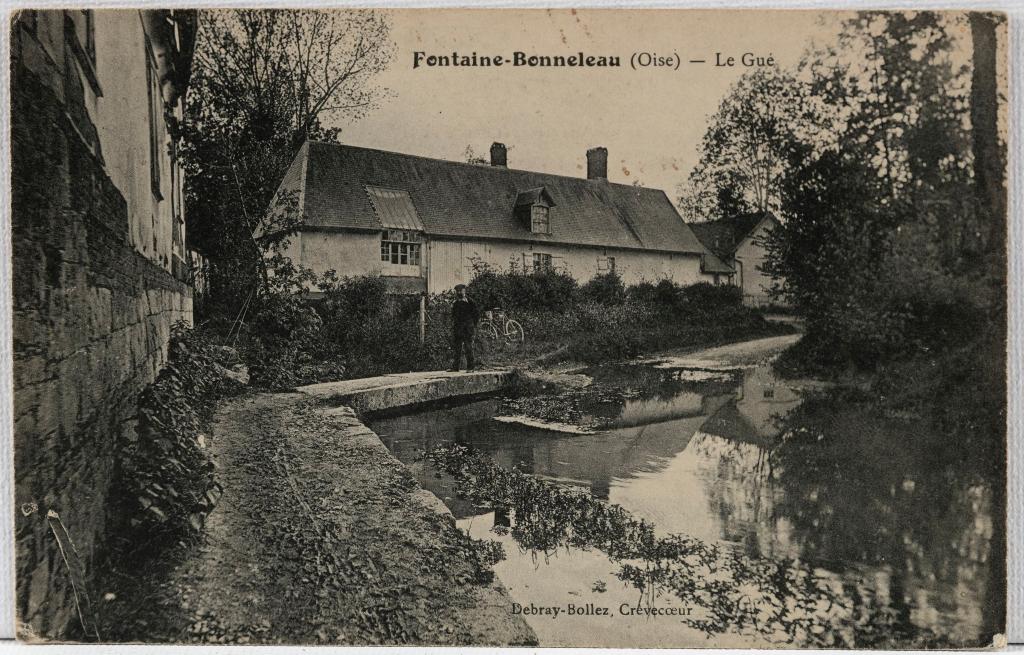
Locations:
(91, 323)
(403, 390)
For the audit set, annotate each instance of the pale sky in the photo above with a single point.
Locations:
(651, 120)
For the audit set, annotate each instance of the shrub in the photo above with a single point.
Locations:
(606, 288)
(606, 333)
(358, 329)
(349, 303)
(666, 292)
(279, 339)
(703, 295)
(166, 476)
(551, 290)
(512, 289)
(641, 292)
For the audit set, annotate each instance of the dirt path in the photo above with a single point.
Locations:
(730, 355)
(322, 536)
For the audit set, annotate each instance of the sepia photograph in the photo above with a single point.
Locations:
(610, 328)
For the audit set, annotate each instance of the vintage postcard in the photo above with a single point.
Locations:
(595, 328)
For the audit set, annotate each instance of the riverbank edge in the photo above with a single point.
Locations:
(304, 483)
(480, 612)
(503, 627)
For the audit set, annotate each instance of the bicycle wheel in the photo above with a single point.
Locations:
(514, 332)
(487, 330)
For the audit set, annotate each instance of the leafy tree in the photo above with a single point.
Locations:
(990, 194)
(895, 92)
(878, 224)
(263, 82)
(744, 149)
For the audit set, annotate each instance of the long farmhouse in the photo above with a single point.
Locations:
(424, 224)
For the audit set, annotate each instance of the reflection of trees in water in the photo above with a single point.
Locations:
(739, 491)
(899, 518)
(775, 599)
(899, 498)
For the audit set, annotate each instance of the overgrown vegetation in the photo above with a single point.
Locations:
(883, 161)
(603, 320)
(166, 477)
(263, 82)
(357, 329)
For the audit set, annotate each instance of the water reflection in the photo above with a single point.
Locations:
(895, 518)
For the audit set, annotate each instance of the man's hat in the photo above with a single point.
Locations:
(460, 287)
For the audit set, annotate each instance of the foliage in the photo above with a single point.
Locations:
(746, 145)
(707, 296)
(373, 332)
(263, 81)
(606, 288)
(278, 330)
(879, 228)
(776, 599)
(166, 477)
(988, 141)
(471, 157)
(608, 333)
(522, 289)
(356, 328)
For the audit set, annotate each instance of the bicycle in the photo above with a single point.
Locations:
(497, 324)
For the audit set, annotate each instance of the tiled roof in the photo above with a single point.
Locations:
(710, 263)
(716, 235)
(532, 197)
(724, 235)
(471, 200)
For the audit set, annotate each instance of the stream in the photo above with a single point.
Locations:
(899, 527)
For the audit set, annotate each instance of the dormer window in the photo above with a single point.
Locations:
(540, 222)
(401, 241)
(533, 208)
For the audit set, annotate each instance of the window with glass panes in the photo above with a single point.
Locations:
(540, 222)
(541, 261)
(400, 247)
(156, 117)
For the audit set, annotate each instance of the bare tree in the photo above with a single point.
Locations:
(264, 81)
(742, 155)
(314, 66)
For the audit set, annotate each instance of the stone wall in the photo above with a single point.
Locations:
(91, 321)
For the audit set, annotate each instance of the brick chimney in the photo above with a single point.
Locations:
(597, 163)
(499, 155)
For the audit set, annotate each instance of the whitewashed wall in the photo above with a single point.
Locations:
(750, 258)
(450, 262)
(447, 263)
(121, 117)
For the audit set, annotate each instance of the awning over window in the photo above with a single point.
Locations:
(394, 209)
(534, 196)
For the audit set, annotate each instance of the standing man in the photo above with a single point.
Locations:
(464, 318)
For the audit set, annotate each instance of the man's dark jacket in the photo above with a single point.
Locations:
(464, 316)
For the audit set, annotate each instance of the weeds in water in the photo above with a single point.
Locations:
(776, 599)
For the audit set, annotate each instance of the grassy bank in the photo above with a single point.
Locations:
(946, 371)
(308, 549)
